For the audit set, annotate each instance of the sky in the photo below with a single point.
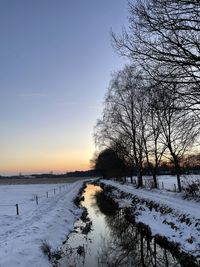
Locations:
(56, 61)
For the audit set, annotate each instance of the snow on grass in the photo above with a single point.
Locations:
(169, 182)
(51, 220)
(180, 225)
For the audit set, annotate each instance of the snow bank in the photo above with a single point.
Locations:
(181, 222)
(51, 220)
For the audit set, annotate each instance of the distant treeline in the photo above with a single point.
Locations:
(88, 173)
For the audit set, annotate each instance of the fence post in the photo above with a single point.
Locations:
(36, 198)
(17, 209)
(54, 191)
(47, 194)
(174, 187)
(60, 188)
(163, 185)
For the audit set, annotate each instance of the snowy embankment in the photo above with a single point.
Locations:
(21, 236)
(166, 213)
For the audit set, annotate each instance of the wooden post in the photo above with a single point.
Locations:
(17, 209)
(163, 185)
(54, 191)
(59, 188)
(47, 194)
(36, 199)
(174, 187)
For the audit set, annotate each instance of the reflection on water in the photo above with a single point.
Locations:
(126, 246)
(113, 241)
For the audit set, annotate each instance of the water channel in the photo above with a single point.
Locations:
(113, 241)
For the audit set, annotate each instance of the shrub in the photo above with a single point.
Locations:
(149, 183)
(191, 188)
(46, 248)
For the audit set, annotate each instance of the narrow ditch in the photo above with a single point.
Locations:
(106, 236)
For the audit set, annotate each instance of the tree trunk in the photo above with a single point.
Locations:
(177, 169)
(178, 179)
(155, 179)
(139, 178)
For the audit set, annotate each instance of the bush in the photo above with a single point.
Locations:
(192, 188)
(149, 183)
(46, 248)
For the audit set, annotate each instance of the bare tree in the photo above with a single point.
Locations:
(179, 126)
(166, 34)
(121, 148)
(122, 116)
(153, 146)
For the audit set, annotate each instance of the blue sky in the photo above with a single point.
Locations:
(56, 59)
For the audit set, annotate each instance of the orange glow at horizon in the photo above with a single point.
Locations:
(57, 163)
(61, 168)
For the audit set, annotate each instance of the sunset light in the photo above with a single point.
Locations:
(56, 62)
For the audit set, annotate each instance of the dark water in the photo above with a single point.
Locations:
(113, 241)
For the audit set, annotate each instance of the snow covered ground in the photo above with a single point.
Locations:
(181, 224)
(169, 182)
(21, 236)
(51, 220)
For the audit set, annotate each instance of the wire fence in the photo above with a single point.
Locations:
(47, 194)
(148, 183)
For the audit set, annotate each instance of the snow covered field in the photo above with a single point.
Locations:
(169, 182)
(51, 220)
(180, 224)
